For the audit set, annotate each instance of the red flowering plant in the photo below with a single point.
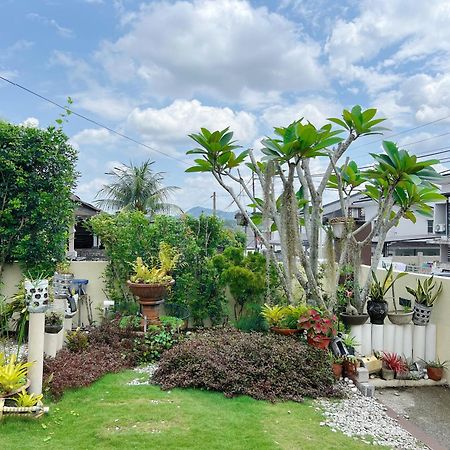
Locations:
(395, 362)
(319, 326)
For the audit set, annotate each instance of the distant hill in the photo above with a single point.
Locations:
(196, 211)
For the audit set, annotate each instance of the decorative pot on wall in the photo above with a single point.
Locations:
(36, 295)
(421, 314)
(377, 311)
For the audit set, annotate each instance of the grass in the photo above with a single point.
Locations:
(110, 414)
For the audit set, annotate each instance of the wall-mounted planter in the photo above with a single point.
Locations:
(36, 295)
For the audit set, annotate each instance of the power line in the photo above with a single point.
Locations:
(65, 108)
(403, 132)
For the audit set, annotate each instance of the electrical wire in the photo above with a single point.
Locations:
(81, 116)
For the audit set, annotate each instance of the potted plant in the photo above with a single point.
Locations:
(424, 295)
(350, 366)
(337, 366)
(62, 279)
(345, 294)
(350, 343)
(54, 322)
(151, 285)
(435, 369)
(393, 364)
(36, 293)
(320, 327)
(13, 375)
(377, 306)
(283, 319)
(400, 317)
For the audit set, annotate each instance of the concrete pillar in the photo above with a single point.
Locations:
(443, 252)
(430, 342)
(388, 337)
(408, 341)
(36, 351)
(67, 327)
(377, 338)
(419, 335)
(51, 344)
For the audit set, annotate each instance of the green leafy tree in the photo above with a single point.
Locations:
(398, 182)
(37, 174)
(137, 187)
(130, 234)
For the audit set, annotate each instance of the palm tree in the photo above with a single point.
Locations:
(137, 187)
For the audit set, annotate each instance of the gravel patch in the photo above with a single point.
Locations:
(365, 418)
(146, 373)
(10, 347)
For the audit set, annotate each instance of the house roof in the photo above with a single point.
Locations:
(83, 208)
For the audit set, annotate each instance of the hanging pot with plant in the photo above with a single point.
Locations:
(340, 224)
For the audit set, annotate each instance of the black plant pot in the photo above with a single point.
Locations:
(53, 329)
(377, 311)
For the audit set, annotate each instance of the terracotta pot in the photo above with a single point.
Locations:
(350, 320)
(349, 368)
(337, 371)
(150, 296)
(284, 331)
(323, 343)
(10, 394)
(400, 318)
(435, 373)
(377, 311)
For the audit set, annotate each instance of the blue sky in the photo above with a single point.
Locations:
(157, 71)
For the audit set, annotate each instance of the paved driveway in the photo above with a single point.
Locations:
(426, 407)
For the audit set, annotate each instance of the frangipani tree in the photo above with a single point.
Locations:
(399, 184)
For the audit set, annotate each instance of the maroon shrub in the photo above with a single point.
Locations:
(263, 366)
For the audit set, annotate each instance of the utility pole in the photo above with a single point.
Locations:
(214, 203)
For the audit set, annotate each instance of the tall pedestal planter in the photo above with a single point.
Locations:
(36, 295)
(150, 296)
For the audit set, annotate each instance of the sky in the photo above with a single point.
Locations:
(159, 70)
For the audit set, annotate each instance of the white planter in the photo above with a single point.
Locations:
(36, 295)
(338, 229)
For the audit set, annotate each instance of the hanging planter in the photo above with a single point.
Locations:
(36, 295)
(339, 225)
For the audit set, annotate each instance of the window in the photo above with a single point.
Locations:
(430, 225)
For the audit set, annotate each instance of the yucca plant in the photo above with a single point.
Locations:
(427, 292)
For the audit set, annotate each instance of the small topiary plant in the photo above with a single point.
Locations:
(263, 366)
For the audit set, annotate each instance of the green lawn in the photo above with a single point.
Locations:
(111, 415)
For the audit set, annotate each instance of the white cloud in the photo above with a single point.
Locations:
(62, 31)
(174, 122)
(30, 122)
(94, 136)
(87, 190)
(223, 48)
(314, 109)
(388, 34)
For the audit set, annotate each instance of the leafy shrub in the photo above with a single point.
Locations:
(77, 340)
(71, 370)
(263, 366)
(150, 346)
